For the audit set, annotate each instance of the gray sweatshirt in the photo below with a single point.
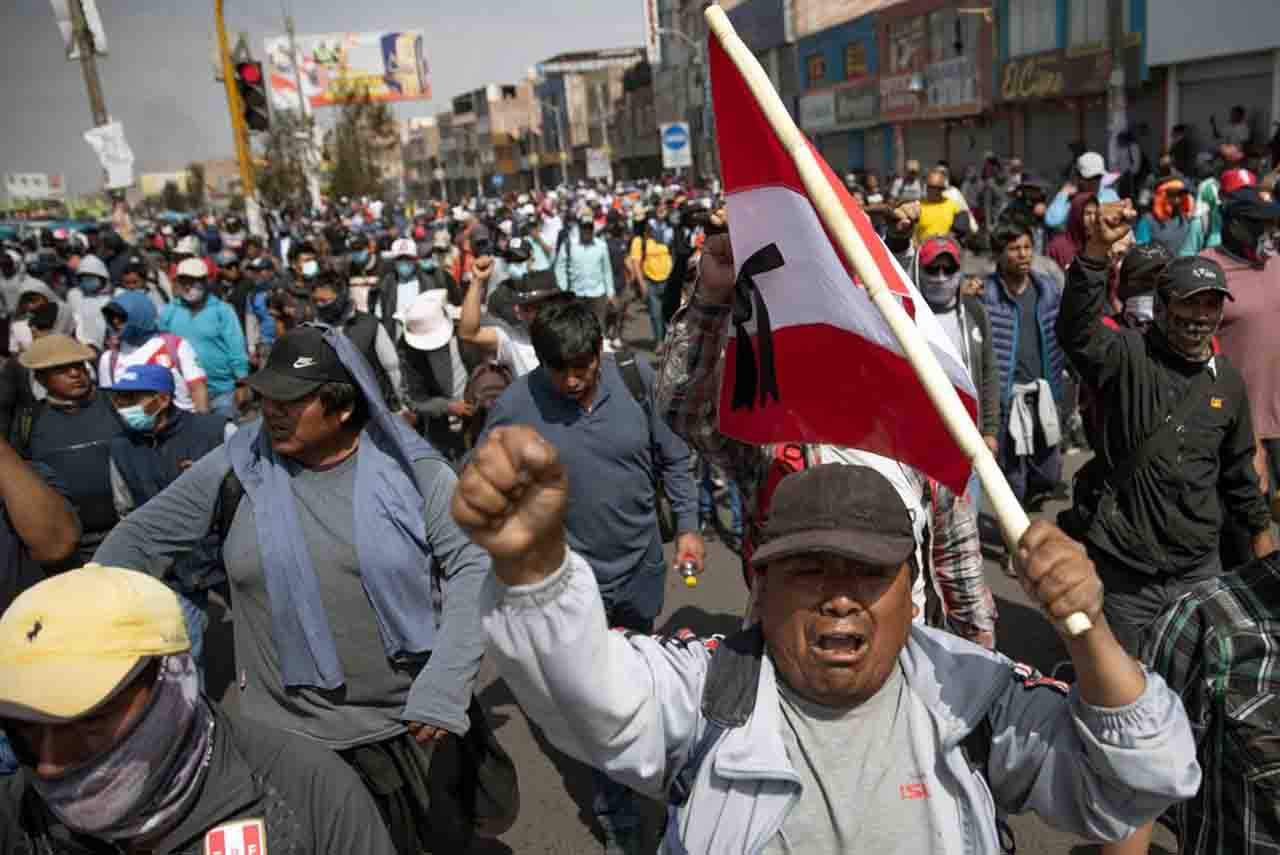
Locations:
(378, 696)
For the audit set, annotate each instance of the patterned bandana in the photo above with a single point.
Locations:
(144, 785)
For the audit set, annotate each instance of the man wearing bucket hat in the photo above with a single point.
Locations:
(834, 724)
(434, 374)
(120, 750)
(70, 431)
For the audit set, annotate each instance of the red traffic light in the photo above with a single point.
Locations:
(249, 72)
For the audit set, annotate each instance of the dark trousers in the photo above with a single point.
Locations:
(1272, 447)
(1134, 600)
(1032, 474)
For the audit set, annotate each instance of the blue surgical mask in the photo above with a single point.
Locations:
(90, 284)
(137, 419)
(518, 269)
(405, 269)
(428, 265)
(310, 269)
(360, 257)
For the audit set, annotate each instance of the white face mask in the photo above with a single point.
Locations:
(310, 269)
(1139, 311)
(940, 289)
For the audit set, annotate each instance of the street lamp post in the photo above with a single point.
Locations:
(555, 109)
(699, 49)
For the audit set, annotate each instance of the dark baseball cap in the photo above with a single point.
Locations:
(301, 362)
(1141, 268)
(839, 509)
(1187, 276)
(536, 288)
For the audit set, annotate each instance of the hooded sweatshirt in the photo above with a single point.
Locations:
(12, 287)
(20, 333)
(142, 343)
(1069, 243)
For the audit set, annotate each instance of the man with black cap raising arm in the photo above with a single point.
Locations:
(1177, 442)
(335, 528)
(121, 752)
(834, 724)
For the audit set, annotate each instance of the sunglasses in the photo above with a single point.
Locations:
(941, 268)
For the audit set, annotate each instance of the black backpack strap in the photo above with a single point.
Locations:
(1168, 427)
(229, 495)
(626, 362)
(728, 699)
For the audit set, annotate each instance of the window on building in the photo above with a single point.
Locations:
(1089, 22)
(953, 35)
(1033, 26)
(816, 69)
(855, 60)
(906, 39)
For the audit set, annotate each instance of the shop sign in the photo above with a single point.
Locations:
(856, 105)
(1054, 75)
(952, 83)
(899, 95)
(818, 111)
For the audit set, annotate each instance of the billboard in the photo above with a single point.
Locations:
(34, 185)
(652, 41)
(388, 66)
(812, 16)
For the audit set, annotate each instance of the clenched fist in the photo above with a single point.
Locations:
(511, 501)
(716, 278)
(1056, 573)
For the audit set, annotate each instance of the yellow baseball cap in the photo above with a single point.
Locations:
(70, 643)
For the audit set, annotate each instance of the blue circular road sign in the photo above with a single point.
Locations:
(675, 137)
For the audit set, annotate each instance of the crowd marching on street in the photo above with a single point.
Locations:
(392, 437)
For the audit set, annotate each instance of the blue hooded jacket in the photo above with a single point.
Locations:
(141, 312)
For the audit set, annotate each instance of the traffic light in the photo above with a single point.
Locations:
(253, 95)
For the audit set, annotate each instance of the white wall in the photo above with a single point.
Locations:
(1184, 30)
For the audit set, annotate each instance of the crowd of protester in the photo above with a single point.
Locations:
(358, 432)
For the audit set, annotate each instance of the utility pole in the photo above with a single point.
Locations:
(602, 97)
(564, 158)
(88, 62)
(239, 132)
(313, 180)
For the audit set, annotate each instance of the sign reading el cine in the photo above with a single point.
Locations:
(676, 151)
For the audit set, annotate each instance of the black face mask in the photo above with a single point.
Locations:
(8, 267)
(331, 313)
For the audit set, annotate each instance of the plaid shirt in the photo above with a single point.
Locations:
(1219, 648)
(688, 397)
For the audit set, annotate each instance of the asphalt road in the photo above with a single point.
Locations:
(555, 816)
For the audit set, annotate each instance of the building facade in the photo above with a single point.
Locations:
(576, 93)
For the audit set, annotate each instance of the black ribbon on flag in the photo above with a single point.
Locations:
(748, 304)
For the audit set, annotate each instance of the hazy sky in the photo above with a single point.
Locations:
(158, 79)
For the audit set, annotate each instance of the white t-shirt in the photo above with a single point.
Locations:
(185, 369)
(515, 351)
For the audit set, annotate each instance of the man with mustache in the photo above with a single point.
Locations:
(1177, 440)
(834, 724)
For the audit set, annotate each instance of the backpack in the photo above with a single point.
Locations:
(626, 362)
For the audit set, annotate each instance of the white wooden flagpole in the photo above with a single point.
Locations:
(1013, 519)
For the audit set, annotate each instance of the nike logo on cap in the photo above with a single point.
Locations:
(303, 362)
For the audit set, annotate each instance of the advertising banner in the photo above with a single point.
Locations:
(34, 185)
(385, 66)
(598, 165)
(1054, 75)
(818, 112)
(652, 41)
(952, 83)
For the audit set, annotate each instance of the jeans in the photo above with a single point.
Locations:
(653, 301)
(974, 492)
(707, 510)
(195, 614)
(224, 405)
(1035, 473)
(8, 762)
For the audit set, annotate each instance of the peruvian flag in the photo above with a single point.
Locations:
(811, 358)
